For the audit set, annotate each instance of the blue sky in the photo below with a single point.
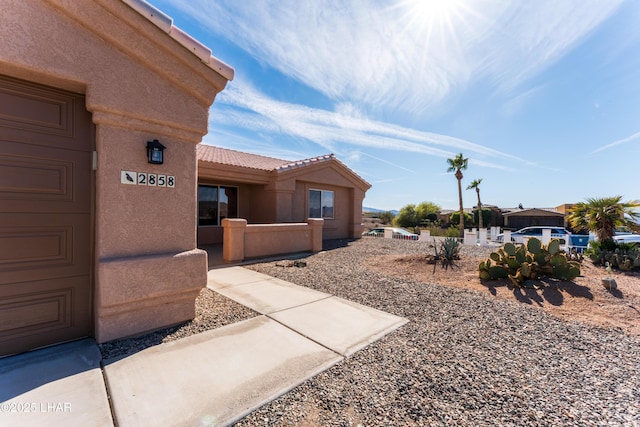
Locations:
(542, 96)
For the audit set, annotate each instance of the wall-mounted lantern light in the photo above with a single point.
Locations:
(154, 152)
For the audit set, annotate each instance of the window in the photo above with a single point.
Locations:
(321, 204)
(215, 203)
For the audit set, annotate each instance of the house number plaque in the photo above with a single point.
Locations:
(147, 179)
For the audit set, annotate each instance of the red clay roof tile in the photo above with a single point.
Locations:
(224, 156)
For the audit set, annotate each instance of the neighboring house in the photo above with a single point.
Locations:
(444, 215)
(496, 218)
(97, 240)
(566, 210)
(517, 218)
(265, 190)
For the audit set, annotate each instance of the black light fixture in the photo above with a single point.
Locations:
(154, 152)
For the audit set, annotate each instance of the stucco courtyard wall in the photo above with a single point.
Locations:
(140, 85)
(248, 195)
(243, 241)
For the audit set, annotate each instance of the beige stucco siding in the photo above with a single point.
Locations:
(333, 228)
(116, 58)
(139, 84)
(349, 191)
(282, 195)
(140, 220)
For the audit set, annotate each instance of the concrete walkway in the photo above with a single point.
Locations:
(213, 378)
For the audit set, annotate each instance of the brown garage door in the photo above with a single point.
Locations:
(46, 143)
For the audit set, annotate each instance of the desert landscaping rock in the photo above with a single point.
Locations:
(466, 358)
(609, 283)
(212, 311)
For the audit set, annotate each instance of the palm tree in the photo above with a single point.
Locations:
(603, 215)
(476, 184)
(458, 164)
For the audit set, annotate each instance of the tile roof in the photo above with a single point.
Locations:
(509, 211)
(224, 156)
(305, 162)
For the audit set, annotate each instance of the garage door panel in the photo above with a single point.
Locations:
(33, 310)
(46, 184)
(43, 116)
(25, 314)
(44, 179)
(35, 246)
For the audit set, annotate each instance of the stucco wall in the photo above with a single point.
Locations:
(263, 206)
(139, 85)
(242, 241)
(283, 197)
(139, 220)
(334, 228)
(210, 235)
(349, 194)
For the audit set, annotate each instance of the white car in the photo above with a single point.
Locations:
(399, 233)
(396, 233)
(627, 238)
(518, 236)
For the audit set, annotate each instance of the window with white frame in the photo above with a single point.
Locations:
(321, 204)
(215, 203)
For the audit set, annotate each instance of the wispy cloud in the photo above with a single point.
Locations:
(531, 36)
(378, 53)
(260, 143)
(395, 165)
(635, 136)
(516, 104)
(339, 132)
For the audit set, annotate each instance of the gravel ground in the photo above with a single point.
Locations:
(212, 311)
(464, 359)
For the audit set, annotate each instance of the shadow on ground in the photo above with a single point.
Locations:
(551, 291)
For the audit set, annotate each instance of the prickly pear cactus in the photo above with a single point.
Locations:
(624, 258)
(528, 263)
(509, 249)
(554, 246)
(534, 246)
(498, 272)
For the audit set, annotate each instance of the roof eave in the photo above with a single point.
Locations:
(323, 163)
(165, 23)
(231, 173)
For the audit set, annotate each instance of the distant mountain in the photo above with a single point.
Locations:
(374, 210)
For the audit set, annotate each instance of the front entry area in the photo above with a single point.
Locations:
(46, 186)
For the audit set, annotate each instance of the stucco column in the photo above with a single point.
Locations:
(148, 272)
(470, 237)
(355, 224)
(494, 233)
(233, 239)
(316, 233)
(482, 236)
(282, 193)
